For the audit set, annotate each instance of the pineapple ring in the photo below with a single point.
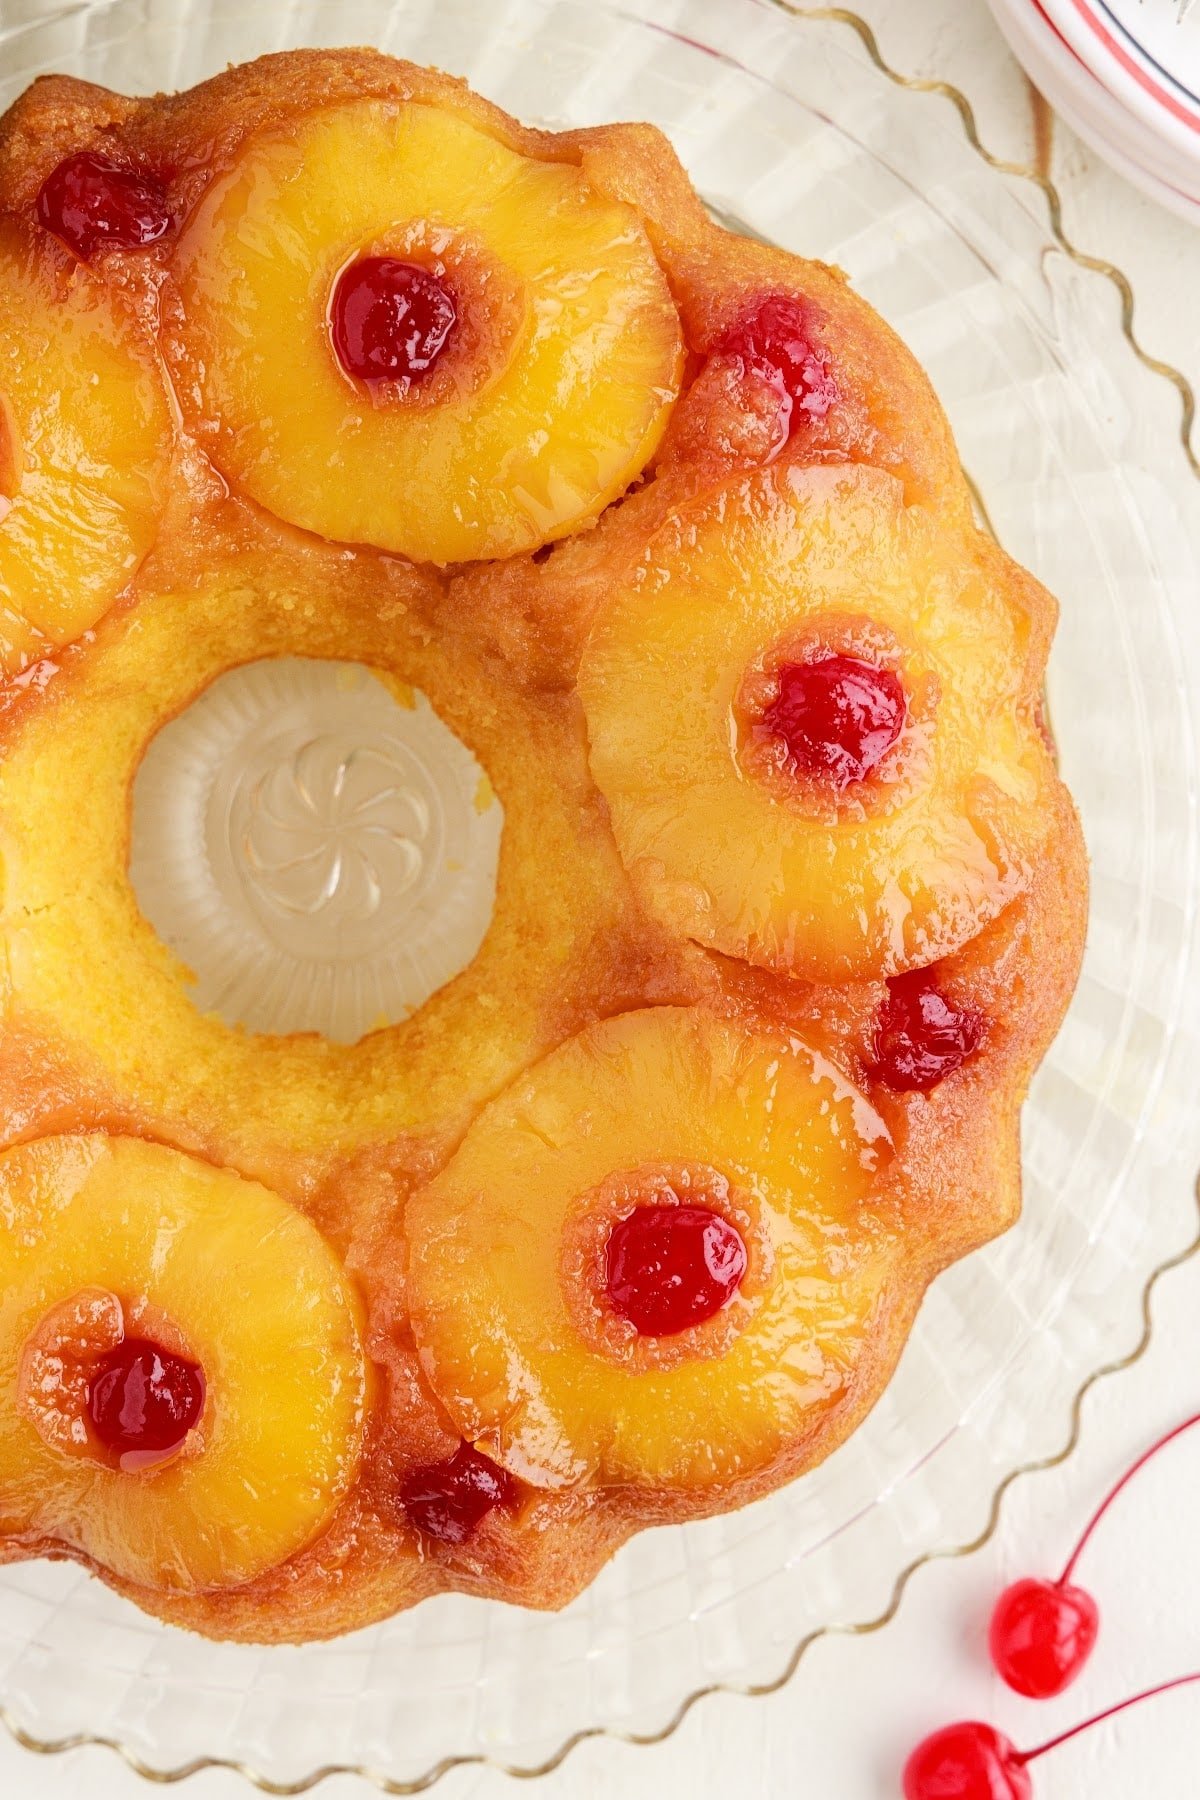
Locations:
(576, 402)
(263, 1305)
(498, 1333)
(914, 868)
(85, 439)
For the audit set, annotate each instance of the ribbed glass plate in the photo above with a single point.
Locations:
(788, 128)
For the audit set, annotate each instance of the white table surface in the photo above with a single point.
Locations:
(841, 1730)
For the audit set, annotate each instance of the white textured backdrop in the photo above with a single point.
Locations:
(841, 1730)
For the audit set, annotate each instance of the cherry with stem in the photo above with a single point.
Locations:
(974, 1761)
(1042, 1632)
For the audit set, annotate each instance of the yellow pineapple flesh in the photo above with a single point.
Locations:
(737, 856)
(85, 439)
(95, 1228)
(84, 974)
(559, 408)
(515, 1339)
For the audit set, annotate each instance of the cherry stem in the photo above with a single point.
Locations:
(1118, 1488)
(1164, 1687)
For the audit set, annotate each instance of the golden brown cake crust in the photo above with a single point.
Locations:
(348, 1134)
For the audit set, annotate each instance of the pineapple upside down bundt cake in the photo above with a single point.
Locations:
(328, 360)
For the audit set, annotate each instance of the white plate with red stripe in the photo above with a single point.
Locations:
(1125, 75)
(1147, 54)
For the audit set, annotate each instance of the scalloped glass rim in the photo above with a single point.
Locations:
(788, 127)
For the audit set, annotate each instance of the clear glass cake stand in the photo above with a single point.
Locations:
(792, 130)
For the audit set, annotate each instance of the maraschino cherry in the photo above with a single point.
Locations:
(974, 1761)
(91, 204)
(921, 1035)
(143, 1400)
(671, 1267)
(967, 1761)
(836, 716)
(449, 1500)
(390, 320)
(1042, 1632)
(774, 342)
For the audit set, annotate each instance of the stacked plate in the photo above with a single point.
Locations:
(1124, 74)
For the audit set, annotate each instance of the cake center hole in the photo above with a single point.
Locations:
(316, 846)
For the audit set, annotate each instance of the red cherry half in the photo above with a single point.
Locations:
(921, 1035)
(449, 1500)
(390, 320)
(1041, 1635)
(774, 342)
(968, 1761)
(836, 716)
(671, 1267)
(143, 1400)
(92, 204)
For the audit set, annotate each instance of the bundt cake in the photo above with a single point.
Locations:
(329, 365)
